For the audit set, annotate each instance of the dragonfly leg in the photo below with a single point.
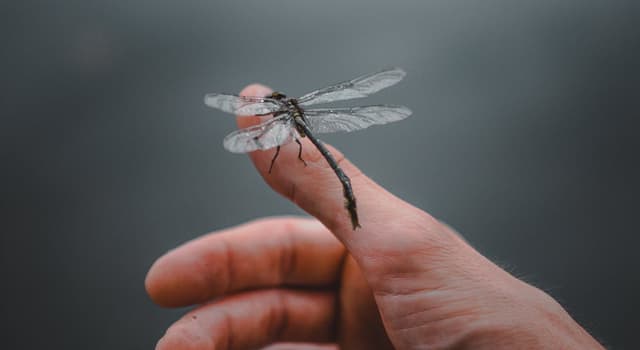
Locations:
(300, 152)
(273, 160)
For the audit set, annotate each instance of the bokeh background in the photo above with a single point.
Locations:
(524, 138)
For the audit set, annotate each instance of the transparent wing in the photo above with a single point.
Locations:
(355, 88)
(272, 133)
(243, 105)
(326, 120)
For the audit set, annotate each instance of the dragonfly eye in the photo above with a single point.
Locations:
(278, 95)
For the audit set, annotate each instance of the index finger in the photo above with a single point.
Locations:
(263, 253)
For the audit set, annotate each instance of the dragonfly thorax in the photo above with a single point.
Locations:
(297, 113)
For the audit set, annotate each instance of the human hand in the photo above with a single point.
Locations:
(403, 280)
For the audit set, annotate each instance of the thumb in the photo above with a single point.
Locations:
(390, 227)
(418, 269)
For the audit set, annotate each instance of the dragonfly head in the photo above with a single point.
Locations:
(278, 95)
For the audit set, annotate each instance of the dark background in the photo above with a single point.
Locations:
(524, 138)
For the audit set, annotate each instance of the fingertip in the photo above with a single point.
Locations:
(182, 335)
(166, 284)
(151, 283)
(257, 90)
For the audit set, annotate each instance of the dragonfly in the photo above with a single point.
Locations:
(292, 120)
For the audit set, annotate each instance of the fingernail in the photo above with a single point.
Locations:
(262, 91)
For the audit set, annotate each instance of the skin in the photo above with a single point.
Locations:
(404, 280)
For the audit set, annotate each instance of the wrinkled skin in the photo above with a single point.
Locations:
(404, 280)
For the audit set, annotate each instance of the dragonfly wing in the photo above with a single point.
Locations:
(272, 133)
(243, 105)
(326, 120)
(355, 88)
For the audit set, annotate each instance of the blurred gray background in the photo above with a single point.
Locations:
(524, 138)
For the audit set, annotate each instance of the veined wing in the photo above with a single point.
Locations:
(355, 88)
(326, 120)
(243, 105)
(274, 132)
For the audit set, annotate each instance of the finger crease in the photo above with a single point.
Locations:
(228, 324)
(288, 257)
(230, 269)
(279, 318)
